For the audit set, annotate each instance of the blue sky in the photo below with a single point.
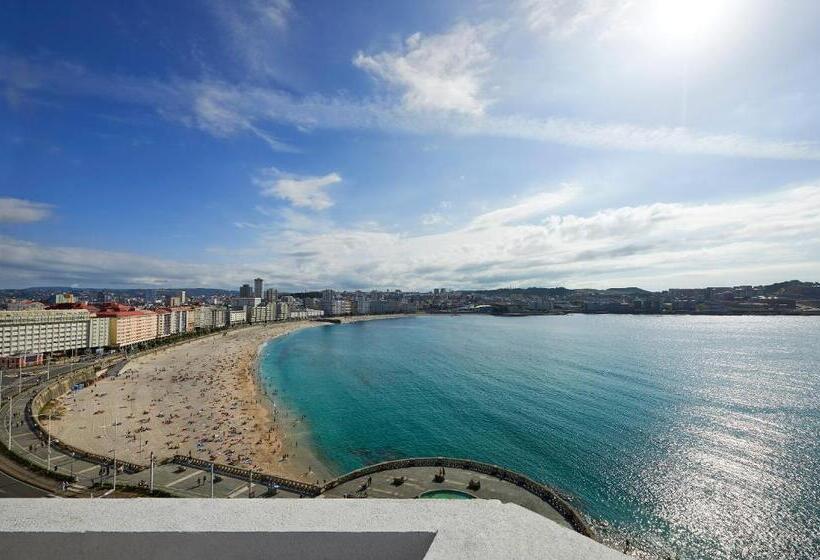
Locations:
(382, 145)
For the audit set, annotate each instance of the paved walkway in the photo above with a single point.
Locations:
(421, 479)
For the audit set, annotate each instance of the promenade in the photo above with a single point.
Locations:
(418, 480)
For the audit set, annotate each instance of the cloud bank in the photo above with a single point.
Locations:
(768, 238)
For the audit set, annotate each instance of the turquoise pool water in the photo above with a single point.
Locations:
(694, 436)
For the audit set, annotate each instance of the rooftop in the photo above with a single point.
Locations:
(204, 529)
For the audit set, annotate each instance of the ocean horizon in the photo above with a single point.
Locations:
(690, 436)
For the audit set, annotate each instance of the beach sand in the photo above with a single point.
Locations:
(200, 398)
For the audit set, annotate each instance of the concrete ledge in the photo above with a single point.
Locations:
(463, 529)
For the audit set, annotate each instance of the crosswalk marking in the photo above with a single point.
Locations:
(181, 479)
(242, 488)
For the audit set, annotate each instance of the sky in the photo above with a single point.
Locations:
(413, 145)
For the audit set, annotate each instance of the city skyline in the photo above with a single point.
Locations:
(54, 290)
(535, 143)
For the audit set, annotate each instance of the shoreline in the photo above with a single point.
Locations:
(198, 399)
(205, 399)
(306, 461)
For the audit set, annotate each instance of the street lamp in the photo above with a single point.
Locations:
(50, 427)
(10, 422)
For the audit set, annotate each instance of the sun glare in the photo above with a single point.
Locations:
(687, 24)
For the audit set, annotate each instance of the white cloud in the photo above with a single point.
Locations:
(17, 210)
(224, 109)
(252, 29)
(259, 105)
(564, 18)
(758, 239)
(439, 72)
(302, 191)
(433, 219)
(24, 263)
(215, 115)
(537, 205)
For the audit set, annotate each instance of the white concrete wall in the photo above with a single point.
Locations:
(464, 529)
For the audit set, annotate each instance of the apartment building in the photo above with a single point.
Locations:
(236, 316)
(282, 311)
(163, 322)
(40, 331)
(129, 326)
(209, 317)
(99, 332)
(261, 313)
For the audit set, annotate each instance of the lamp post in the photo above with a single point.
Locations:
(10, 401)
(115, 455)
(152, 473)
(212, 479)
(49, 441)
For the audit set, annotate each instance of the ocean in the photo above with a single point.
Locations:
(693, 437)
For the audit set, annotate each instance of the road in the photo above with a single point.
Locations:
(13, 488)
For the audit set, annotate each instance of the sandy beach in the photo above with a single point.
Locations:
(200, 398)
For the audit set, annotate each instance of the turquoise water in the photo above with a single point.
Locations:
(695, 436)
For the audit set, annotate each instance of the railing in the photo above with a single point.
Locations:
(302, 488)
(559, 504)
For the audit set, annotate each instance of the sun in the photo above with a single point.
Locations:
(687, 24)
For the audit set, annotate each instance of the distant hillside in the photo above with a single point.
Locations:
(794, 289)
(627, 291)
(42, 292)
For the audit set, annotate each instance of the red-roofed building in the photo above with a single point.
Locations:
(129, 325)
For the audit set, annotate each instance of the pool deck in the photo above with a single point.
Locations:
(421, 479)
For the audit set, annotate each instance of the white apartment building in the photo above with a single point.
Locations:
(179, 320)
(362, 305)
(172, 321)
(163, 322)
(336, 307)
(236, 316)
(262, 313)
(306, 314)
(57, 330)
(98, 332)
(210, 317)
